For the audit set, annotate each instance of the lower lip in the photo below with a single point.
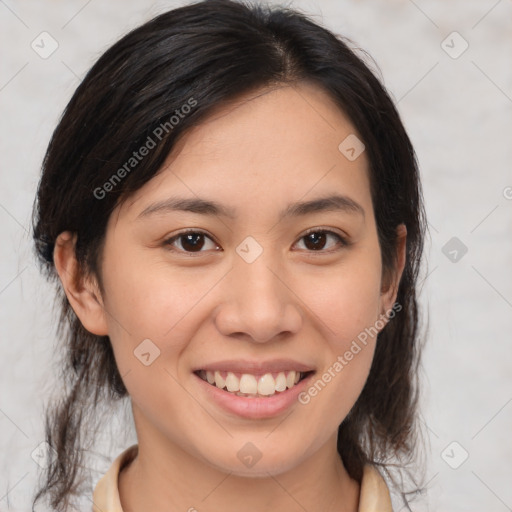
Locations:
(255, 408)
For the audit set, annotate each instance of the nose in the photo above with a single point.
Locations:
(258, 304)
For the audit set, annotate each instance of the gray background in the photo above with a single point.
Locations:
(457, 110)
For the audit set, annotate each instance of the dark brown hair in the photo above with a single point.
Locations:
(215, 51)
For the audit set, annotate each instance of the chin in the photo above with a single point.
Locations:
(253, 460)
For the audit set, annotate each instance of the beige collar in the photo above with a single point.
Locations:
(374, 495)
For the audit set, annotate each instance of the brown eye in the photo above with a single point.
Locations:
(190, 242)
(317, 240)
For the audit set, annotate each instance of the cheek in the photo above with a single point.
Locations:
(146, 293)
(347, 306)
(152, 316)
(345, 300)
(150, 300)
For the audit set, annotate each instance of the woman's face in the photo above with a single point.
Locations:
(273, 280)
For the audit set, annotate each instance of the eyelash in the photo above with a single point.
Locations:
(342, 241)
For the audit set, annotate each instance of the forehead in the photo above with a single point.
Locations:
(266, 148)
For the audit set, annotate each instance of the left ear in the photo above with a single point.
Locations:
(389, 290)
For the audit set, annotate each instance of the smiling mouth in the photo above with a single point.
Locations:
(250, 385)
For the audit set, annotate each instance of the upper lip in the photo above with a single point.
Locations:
(256, 367)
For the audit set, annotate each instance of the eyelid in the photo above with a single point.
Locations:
(344, 240)
(325, 229)
(168, 241)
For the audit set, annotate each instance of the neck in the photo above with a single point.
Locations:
(165, 477)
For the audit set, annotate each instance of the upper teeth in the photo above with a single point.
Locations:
(247, 383)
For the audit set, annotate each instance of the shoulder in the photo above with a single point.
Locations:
(374, 496)
(106, 493)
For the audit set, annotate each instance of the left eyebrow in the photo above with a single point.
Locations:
(206, 207)
(323, 204)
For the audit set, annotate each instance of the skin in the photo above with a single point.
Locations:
(278, 146)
